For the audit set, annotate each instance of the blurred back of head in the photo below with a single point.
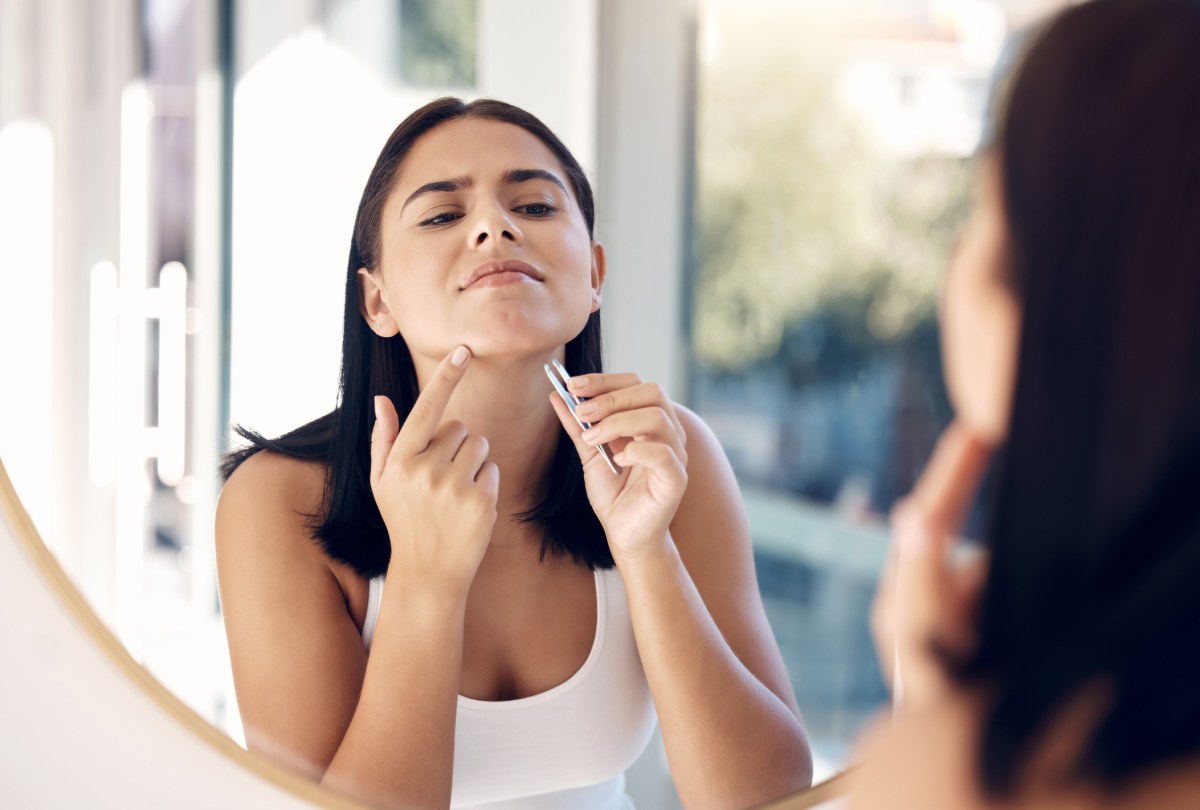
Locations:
(1095, 527)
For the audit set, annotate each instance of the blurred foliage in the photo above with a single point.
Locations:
(437, 42)
(800, 214)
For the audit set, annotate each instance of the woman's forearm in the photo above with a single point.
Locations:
(399, 747)
(730, 741)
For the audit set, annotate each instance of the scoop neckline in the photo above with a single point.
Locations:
(554, 691)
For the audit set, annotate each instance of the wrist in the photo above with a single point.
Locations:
(653, 552)
(422, 591)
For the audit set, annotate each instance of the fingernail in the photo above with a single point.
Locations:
(577, 383)
(589, 435)
(459, 356)
(378, 408)
(585, 410)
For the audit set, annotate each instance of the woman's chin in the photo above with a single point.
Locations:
(514, 351)
(515, 344)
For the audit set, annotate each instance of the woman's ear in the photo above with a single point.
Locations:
(599, 268)
(375, 309)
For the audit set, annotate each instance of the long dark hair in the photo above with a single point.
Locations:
(349, 526)
(1095, 525)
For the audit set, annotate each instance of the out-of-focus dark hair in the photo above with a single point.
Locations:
(1095, 524)
(350, 528)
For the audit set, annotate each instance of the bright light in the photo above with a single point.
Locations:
(27, 315)
(172, 372)
(133, 485)
(298, 173)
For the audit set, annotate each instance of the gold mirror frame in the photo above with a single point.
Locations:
(82, 614)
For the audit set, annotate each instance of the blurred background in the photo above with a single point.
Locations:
(779, 184)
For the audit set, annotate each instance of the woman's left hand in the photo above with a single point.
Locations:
(639, 425)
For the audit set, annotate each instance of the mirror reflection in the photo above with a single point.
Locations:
(199, 240)
(1048, 671)
(535, 580)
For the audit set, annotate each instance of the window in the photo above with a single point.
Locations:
(833, 160)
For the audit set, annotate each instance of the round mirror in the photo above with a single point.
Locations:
(169, 163)
(82, 699)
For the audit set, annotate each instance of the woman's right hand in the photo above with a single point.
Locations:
(924, 596)
(435, 488)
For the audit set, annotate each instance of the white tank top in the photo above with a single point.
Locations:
(563, 749)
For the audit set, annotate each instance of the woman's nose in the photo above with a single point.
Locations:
(495, 225)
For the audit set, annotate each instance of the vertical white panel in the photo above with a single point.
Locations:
(644, 126)
(543, 55)
(172, 372)
(133, 485)
(199, 487)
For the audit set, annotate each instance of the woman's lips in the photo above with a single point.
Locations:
(499, 274)
(500, 279)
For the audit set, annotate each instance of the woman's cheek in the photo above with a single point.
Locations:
(980, 331)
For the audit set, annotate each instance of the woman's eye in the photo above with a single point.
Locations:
(537, 209)
(441, 219)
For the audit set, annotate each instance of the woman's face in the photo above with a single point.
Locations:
(483, 244)
(980, 317)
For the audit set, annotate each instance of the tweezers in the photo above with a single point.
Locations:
(572, 402)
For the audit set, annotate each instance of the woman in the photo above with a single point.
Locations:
(510, 663)
(1064, 669)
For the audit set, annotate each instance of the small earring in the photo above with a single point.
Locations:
(378, 325)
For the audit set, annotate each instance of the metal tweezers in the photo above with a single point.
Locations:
(572, 402)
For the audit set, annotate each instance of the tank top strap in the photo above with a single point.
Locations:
(374, 600)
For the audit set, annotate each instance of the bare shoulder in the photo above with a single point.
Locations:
(708, 468)
(264, 538)
(265, 506)
(710, 522)
(297, 656)
(700, 436)
(272, 479)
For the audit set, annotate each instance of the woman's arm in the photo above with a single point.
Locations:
(298, 659)
(380, 729)
(729, 721)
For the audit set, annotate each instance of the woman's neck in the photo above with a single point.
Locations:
(507, 401)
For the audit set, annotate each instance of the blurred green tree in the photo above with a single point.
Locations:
(799, 211)
(437, 42)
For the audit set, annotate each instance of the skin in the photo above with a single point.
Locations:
(980, 318)
(924, 756)
(468, 609)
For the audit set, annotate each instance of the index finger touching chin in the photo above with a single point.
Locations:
(952, 476)
(426, 414)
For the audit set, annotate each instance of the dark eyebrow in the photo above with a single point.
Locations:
(460, 183)
(522, 175)
(454, 184)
